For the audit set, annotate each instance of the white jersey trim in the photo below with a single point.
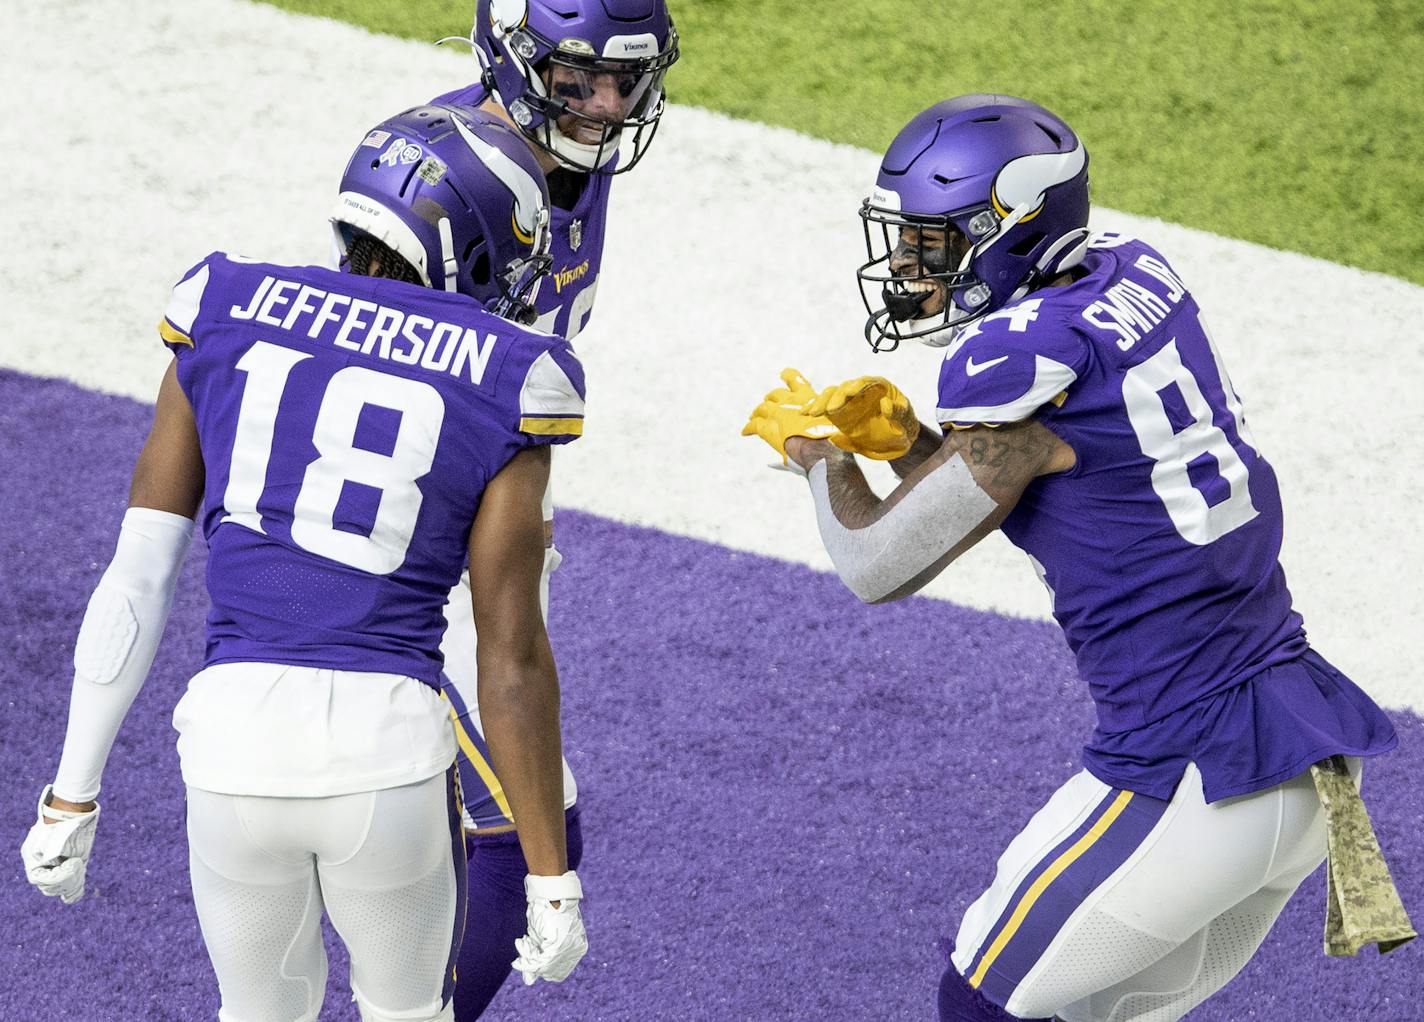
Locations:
(1050, 379)
(186, 299)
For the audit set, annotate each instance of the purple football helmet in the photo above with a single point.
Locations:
(579, 77)
(1005, 180)
(459, 196)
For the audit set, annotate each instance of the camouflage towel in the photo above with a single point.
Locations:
(1362, 904)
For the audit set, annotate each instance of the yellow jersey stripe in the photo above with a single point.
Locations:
(552, 427)
(481, 765)
(172, 335)
(1069, 856)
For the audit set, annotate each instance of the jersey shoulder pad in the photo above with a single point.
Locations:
(180, 316)
(1006, 366)
(550, 384)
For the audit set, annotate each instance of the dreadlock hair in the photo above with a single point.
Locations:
(368, 257)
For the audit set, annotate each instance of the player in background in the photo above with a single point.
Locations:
(582, 81)
(1085, 411)
(349, 440)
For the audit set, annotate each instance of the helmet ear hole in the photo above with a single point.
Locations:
(1026, 245)
(480, 271)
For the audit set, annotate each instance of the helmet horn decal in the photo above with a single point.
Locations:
(1026, 180)
(508, 15)
(527, 197)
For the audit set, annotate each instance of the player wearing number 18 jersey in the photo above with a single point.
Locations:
(347, 441)
(1084, 410)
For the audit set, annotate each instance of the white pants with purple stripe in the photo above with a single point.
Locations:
(388, 866)
(1112, 906)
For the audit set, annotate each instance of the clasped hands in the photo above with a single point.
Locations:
(867, 415)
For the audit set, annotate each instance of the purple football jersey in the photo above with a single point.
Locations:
(1160, 546)
(566, 296)
(349, 426)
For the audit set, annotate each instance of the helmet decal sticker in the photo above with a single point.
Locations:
(626, 47)
(582, 47)
(528, 200)
(432, 171)
(400, 151)
(508, 15)
(1027, 179)
(884, 198)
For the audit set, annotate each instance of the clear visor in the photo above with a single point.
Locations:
(599, 105)
(599, 94)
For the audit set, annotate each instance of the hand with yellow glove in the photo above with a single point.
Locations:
(872, 416)
(782, 415)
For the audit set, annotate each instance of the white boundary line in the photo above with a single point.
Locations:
(144, 136)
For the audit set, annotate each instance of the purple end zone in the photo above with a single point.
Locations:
(788, 798)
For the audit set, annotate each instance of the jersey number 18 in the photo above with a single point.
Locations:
(267, 367)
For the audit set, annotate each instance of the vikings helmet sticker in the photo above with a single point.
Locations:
(528, 201)
(376, 139)
(1027, 180)
(432, 171)
(400, 151)
(508, 15)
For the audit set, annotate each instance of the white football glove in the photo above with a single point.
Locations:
(556, 940)
(56, 854)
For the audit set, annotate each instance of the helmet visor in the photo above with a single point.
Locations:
(601, 104)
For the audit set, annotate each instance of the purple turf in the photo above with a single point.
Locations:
(788, 798)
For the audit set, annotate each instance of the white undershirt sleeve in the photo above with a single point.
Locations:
(935, 516)
(117, 641)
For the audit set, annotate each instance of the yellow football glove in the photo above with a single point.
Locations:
(873, 417)
(782, 415)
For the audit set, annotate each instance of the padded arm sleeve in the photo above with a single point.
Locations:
(117, 640)
(874, 561)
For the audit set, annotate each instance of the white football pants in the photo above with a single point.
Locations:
(1114, 907)
(388, 867)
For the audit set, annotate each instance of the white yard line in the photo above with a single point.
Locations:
(145, 135)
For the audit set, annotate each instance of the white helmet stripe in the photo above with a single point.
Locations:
(1024, 181)
(527, 197)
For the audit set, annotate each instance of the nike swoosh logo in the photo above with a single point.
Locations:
(974, 370)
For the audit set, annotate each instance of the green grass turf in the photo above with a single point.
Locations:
(1294, 123)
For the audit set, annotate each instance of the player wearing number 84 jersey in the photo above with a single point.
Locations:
(347, 441)
(1084, 409)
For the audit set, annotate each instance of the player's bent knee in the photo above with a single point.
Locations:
(959, 1002)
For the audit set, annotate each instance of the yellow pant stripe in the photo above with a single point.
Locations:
(1069, 856)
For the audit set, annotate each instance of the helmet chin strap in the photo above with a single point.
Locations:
(447, 252)
(583, 155)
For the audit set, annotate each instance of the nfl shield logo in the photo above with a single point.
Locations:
(575, 234)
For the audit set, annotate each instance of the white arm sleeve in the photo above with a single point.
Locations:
(117, 640)
(937, 514)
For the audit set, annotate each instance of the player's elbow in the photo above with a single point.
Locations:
(868, 586)
(514, 674)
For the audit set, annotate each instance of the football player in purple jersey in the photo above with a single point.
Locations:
(1085, 410)
(582, 81)
(347, 441)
